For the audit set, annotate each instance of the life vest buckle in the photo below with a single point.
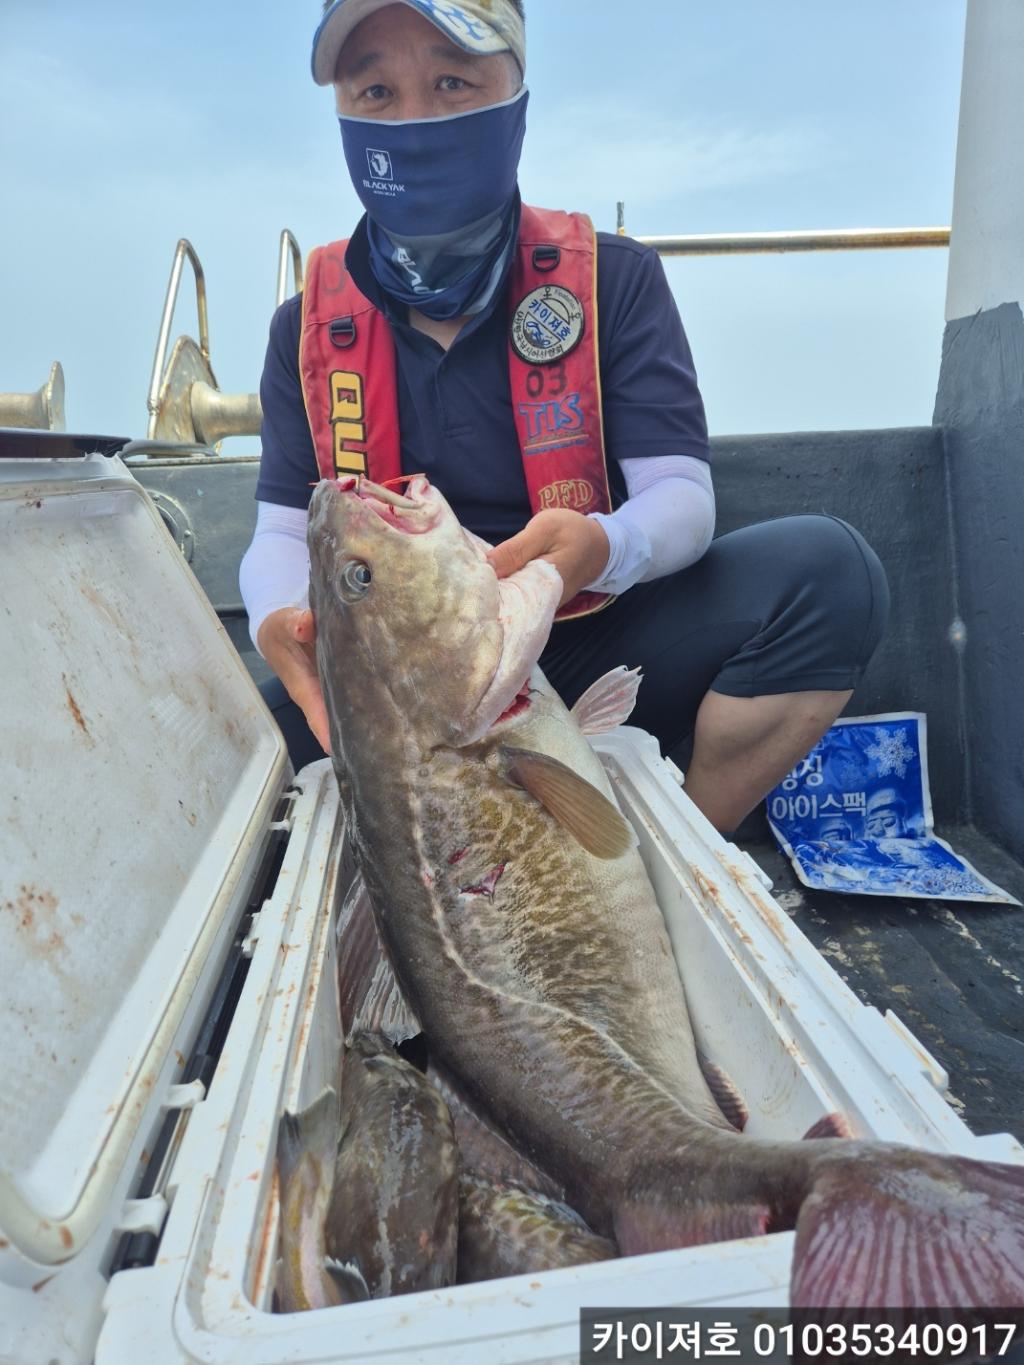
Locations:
(546, 258)
(342, 332)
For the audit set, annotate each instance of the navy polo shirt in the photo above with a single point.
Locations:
(455, 407)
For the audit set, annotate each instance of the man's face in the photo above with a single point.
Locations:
(884, 823)
(398, 65)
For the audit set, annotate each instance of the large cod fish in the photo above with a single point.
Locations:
(523, 929)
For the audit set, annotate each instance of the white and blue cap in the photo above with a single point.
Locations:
(485, 27)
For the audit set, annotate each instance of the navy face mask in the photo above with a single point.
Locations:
(441, 200)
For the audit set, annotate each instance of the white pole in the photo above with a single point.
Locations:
(986, 258)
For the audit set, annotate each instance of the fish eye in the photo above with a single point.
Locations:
(354, 580)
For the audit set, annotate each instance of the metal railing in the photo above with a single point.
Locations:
(843, 239)
(289, 248)
(830, 239)
(182, 252)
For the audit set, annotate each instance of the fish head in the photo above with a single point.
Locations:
(371, 1062)
(412, 621)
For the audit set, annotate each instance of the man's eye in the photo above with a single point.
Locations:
(452, 83)
(376, 92)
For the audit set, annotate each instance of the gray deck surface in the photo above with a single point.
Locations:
(952, 971)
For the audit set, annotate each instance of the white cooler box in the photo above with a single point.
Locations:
(168, 900)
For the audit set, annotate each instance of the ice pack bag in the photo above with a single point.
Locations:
(856, 816)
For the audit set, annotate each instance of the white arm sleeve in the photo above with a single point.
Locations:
(274, 572)
(665, 525)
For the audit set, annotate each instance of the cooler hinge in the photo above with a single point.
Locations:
(144, 1214)
(142, 1218)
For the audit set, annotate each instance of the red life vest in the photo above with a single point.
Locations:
(349, 384)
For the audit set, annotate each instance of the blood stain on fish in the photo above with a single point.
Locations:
(487, 886)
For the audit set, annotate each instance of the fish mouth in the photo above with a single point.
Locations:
(519, 705)
(414, 512)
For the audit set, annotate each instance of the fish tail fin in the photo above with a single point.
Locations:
(888, 1227)
(313, 1132)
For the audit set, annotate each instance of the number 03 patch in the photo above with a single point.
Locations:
(547, 325)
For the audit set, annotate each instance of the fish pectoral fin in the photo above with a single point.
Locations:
(577, 805)
(348, 1279)
(608, 702)
(313, 1132)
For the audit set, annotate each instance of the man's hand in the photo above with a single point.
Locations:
(576, 545)
(287, 640)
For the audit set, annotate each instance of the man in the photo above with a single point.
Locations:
(885, 815)
(561, 418)
(834, 829)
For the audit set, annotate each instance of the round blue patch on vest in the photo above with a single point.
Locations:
(547, 325)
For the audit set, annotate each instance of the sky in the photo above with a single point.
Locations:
(125, 126)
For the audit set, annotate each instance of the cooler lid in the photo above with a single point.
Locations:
(141, 767)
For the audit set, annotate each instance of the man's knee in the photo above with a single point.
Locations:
(852, 580)
(823, 600)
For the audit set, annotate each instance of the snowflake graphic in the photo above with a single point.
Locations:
(890, 752)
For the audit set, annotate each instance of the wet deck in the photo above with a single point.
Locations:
(952, 971)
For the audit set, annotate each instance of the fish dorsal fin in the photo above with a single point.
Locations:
(577, 805)
(608, 702)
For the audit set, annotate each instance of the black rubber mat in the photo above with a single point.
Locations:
(952, 971)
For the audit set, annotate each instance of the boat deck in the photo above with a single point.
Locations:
(952, 971)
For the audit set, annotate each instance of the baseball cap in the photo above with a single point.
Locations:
(485, 27)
